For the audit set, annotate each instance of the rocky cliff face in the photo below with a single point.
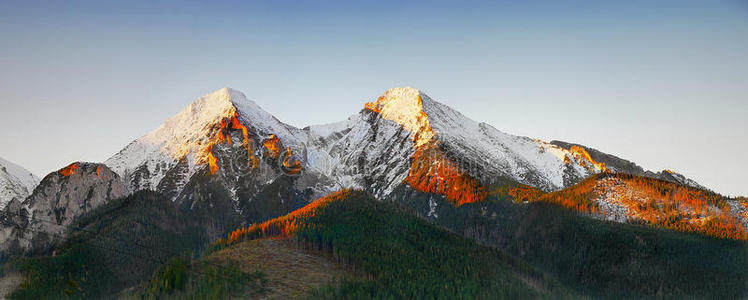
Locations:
(41, 220)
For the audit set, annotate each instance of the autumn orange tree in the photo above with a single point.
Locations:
(281, 227)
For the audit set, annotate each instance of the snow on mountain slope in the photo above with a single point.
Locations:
(364, 152)
(402, 138)
(526, 160)
(183, 144)
(618, 165)
(479, 149)
(15, 182)
(376, 149)
(405, 137)
(28, 179)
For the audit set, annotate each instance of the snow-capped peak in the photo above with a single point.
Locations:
(174, 136)
(187, 138)
(486, 150)
(404, 106)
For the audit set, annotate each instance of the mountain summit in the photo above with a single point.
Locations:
(184, 143)
(404, 106)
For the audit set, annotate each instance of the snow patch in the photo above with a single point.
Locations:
(15, 182)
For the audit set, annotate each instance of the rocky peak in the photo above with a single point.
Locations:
(75, 189)
(190, 142)
(41, 220)
(405, 107)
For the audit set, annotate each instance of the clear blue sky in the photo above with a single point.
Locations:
(663, 83)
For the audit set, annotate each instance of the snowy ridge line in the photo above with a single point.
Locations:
(15, 182)
(370, 150)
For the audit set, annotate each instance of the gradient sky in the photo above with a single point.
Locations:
(662, 83)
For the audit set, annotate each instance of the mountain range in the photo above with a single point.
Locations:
(223, 163)
(225, 133)
(371, 150)
(400, 142)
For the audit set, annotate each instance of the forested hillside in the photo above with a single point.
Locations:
(596, 257)
(146, 246)
(114, 247)
(405, 256)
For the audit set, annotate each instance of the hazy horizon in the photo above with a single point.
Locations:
(664, 85)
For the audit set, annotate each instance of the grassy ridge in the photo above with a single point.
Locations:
(183, 278)
(286, 271)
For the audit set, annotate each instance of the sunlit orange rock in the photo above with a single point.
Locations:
(221, 133)
(236, 125)
(372, 106)
(586, 156)
(271, 144)
(69, 170)
(211, 160)
(431, 171)
(291, 168)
